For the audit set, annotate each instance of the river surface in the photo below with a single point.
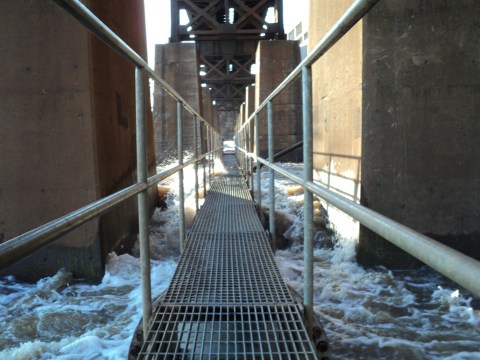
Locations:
(367, 314)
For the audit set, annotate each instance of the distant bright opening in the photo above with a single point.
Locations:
(202, 73)
(184, 20)
(214, 102)
(262, 34)
(270, 17)
(204, 85)
(231, 15)
(253, 69)
(230, 67)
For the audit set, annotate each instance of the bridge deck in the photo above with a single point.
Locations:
(227, 299)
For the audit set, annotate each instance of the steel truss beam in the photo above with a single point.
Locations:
(227, 20)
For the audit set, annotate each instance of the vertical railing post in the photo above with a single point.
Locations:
(242, 154)
(245, 139)
(181, 193)
(195, 154)
(215, 154)
(143, 214)
(271, 173)
(259, 173)
(308, 196)
(247, 148)
(203, 145)
(250, 150)
(207, 130)
(247, 158)
(212, 144)
(209, 148)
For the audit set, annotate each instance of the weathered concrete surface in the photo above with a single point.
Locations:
(207, 108)
(178, 64)
(421, 159)
(227, 118)
(337, 110)
(113, 86)
(396, 101)
(67, 127)
(275, 60)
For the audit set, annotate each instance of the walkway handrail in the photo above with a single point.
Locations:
(21, 246)
(353, 14)
(462, 269)
(90, 21)
(455, 265)
(17, 248)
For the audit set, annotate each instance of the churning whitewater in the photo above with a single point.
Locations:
(367, 314)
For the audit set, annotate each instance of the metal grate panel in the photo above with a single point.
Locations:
(220, 332)
(226, 219)
(228, 208)
(228, 268)
(227, 299)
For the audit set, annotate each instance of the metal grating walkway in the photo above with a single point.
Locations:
(227, 299)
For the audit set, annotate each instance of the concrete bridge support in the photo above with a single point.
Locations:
(337, 110)
(178, 64)
(410, 78)
(67, 115)
(275, 60)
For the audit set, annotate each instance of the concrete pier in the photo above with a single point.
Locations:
(275, 60)
(178, 64)
(337, 110)
(421, 159)
(68, 130)
(396, 101)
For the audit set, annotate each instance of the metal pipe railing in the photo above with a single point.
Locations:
(181, 192)
(271, 176)
(455, 265)
(21, 246)
(353, 14)
(308, 196)
(195, 154)
(143, 212)
(89, 20)
(259, 173)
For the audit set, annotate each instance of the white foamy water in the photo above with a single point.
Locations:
(60, 319)
(57, 320)
(376, 313)
(367, 314)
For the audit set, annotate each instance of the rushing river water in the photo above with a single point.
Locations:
(367, 314)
